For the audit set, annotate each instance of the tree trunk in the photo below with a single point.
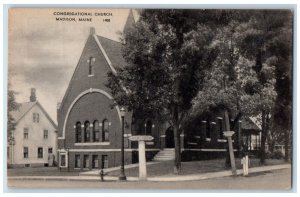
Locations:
(263, 139)
(177, 164)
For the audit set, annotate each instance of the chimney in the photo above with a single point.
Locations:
(32, 96)
(92, 30)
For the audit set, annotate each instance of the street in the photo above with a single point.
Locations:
(275, 180)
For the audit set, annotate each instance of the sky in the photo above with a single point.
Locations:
(43, 52)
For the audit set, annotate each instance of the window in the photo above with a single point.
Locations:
(95, 161)
(96, 131)
(220, 121)
(87, 131)
(104, 161)
(45, 134)
(8, 152)
(25, 152)
(78, 132)
(40, 152)
(77, 161)
(50, 150)
(91, 62)
(105, 132)
(208, 127)
(86, 160)
(34, 117)
(25, 133)
(63, 160)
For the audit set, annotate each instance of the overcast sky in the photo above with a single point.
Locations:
(43, 52)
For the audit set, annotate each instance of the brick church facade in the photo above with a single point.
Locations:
(89, 128)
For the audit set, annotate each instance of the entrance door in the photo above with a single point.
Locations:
(170, 138)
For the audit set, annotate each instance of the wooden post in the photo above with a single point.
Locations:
(229, 134)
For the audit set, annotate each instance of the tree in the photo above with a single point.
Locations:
(12, 105)
(262, 41)
(166, 57)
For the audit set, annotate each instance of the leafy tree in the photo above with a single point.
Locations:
(262, 40)
(12, 105)
(166, 57)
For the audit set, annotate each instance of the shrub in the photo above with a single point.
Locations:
(277, 155)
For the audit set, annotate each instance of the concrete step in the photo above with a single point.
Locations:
(165, 155)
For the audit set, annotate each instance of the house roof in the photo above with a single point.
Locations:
(24, 108)
(249, 125)
(113, 50)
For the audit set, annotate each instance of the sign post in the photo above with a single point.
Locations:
(142, 153)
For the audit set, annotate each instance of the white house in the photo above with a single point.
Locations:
(34, 141)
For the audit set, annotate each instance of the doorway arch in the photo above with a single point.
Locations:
(170, 138)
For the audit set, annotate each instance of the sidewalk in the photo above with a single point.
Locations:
(193, 177)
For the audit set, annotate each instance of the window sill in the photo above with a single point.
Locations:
(222, 140)
(77, 168)
(208, 139)
(92, 144)
(91, 75)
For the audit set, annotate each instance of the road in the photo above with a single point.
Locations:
(275, 180)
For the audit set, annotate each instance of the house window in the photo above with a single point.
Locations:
(104, 161)
(77, 161)
(40, 152)
(25, 152)
(95, 161)
(91, 62)
(86, 162)
(50, 150)
(78, 132)
(45, 134)
(25, 133)
(96, 131)
(87, 131)
(105, 131)
(36, 117)
(208, 128)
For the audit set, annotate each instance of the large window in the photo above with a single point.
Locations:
(86, 161)
(95, 161)
(96, 131)
(148, 128)
(40, 152)
(25, 133)
(45, 134)
(78, 132)
(87, 131)
(77, 161)
(104, 161)
(25, 152)
(105, 132)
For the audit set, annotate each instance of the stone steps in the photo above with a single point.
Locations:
(167, 154)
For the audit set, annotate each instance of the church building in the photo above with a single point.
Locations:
(89, 125)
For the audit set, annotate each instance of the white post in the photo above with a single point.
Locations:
(247, 167)
(142, 161)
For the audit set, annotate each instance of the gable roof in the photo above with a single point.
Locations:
(248, 124)
(24, 108)
(113, 50)
(130, 22)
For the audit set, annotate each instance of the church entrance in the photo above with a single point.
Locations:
(170, 138)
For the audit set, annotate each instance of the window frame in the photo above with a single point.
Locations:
(42, 153)
(25, 152)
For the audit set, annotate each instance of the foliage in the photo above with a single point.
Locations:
(12, 105)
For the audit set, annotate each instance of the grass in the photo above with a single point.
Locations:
(195, 167)
(159, 169)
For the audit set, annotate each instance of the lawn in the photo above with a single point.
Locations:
(158, 169)
(39, 171)
(194, 167)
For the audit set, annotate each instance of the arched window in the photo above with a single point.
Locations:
(96, 131)
(91, 62)
(78, 132)
(149, 127)
(105, 130)
(87, 131)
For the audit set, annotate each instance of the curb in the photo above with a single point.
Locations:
(193, 177)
